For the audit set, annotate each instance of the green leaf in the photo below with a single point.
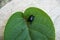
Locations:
(42, 27)
(18, 28)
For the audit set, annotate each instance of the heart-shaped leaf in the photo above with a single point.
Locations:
(18, 28)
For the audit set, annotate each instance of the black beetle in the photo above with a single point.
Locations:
(31, 18)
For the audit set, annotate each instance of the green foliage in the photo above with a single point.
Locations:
(18, 28)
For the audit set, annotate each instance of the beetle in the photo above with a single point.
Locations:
(31, 18)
